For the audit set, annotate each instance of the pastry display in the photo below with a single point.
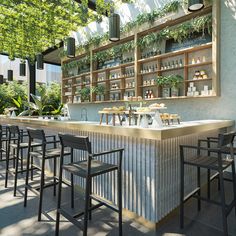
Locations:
(157, 105)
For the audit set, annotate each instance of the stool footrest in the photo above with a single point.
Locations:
(191, 194)
(70, 218)
(104, 202)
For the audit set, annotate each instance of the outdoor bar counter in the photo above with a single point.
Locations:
(151, 159)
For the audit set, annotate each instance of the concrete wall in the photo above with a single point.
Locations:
(223, 107)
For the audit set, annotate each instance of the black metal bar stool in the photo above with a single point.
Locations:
(43, 153)
(16, 143)
(3, 141)
(210, 162)
(212, 142)
(87, 169)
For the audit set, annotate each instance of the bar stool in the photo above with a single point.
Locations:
(212, 142)
(3, 141)
(43, 154)
(15, 141)
(210, 163)
(87, 169)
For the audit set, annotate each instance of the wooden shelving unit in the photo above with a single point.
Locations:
(128, 79)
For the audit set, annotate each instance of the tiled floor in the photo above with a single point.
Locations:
(15, 220)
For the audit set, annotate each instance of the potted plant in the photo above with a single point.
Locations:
(99, 90)
(175, 82)
(164, 82)
(85, 94)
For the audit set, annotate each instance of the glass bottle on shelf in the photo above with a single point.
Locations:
(176, 64)
(180, 63)
(156, 68)
(146, 94)
(173, 64)
(165, 66)
(162, 67)
(169, 65)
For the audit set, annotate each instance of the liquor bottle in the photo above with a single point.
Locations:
(153, 67)
(173, 64)
(180, 63)
(156, 68)
(146, 94)
(176, 64)
(165, 66)
(150, 69)
(169, 65)
(162, 67)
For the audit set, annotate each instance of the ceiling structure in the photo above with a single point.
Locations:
(29, 27)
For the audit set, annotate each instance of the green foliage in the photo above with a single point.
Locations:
(29, 27)
(99, 89)
(178, 33)
(98, 40)
(85, 93)
(169, 81)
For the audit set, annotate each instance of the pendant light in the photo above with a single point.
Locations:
(22, 68)
(10, 75)
(195, 5)
(39, 59)
(1, 79)
(70, 42)
(114, 27)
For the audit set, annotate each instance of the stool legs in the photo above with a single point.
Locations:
(234, 184)
(199, 186)
(7, 164)
(119, 197)
(41, 190)
(86, 208)
(16, 169)
(181, 189)
(59, 198)
(27, 179)
(54, 176)
(223, 205)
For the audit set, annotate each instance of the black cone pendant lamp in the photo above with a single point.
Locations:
(195, 5)
(114, 27)
(39, 59)
(70, 42)
(22, 68)
(1, 79)
(10, 75)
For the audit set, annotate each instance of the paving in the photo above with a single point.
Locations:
(17, 220)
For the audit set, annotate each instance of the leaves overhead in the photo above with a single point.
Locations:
(28, 27)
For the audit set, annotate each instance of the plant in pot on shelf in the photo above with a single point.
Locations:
(175, 82)
(99, 90)
(164, 83)
(85, 94)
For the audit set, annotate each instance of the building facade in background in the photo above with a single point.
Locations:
(51, 73)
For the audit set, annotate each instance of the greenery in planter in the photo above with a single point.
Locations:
(178, 33)
(85, 93)
(99, 89)
(98, 40)
(169, 81)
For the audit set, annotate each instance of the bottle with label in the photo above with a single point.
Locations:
(173, 64)
(169, 65)
(162, 67)
(146, 94)
(176, 64)
(180, 63)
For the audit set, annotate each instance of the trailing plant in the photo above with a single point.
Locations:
(98, 40)
(29, 27)
(178, 33)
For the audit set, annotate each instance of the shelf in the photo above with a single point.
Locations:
(129, 64)
(101, 81)
(145, 86)
(115, 79)
(148, 73)
(197, 80)
(114, 67)
(176, 53)
(133, 88)
(76, 76)
(199, 64)
(171, 69)
(116, 90)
